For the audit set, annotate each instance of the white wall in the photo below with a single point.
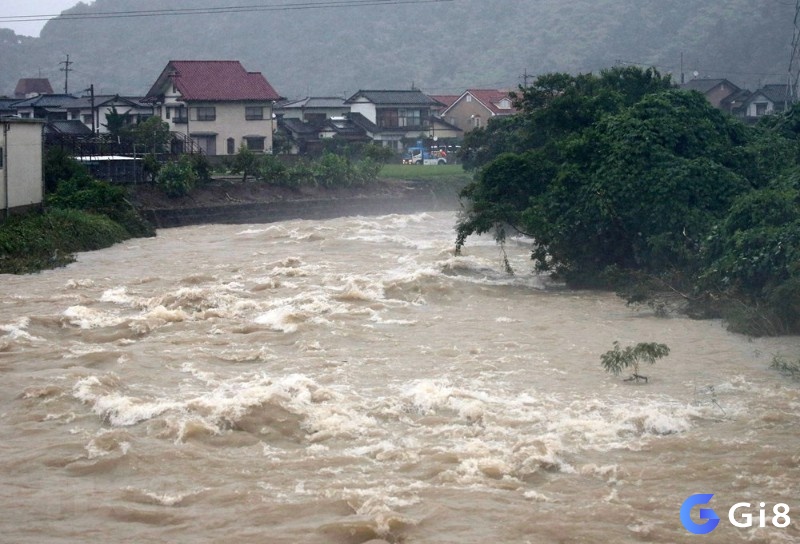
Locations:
(21, 173)
(365, 108)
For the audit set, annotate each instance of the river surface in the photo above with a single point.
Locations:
(345, 380)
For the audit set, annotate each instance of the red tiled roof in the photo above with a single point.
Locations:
(490, 98)
(28, 85)
(446, 99)
(215, 80)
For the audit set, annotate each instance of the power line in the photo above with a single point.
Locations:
(287, 6)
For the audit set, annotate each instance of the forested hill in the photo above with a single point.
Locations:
(441, 47)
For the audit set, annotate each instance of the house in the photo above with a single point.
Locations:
(720, 93)
(475, 107)
(444, 102)
(135, 110)
(217, 104)
(32, 86)
(50, 107)
(307, 137)
(389, 117)
(767, 100)
(313, 110)
(21, 172)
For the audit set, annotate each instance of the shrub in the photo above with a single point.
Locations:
(272, 170)
(81, 192)
(332, 171)
(59, 166)
(177, 178)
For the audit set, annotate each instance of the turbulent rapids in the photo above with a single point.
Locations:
(352, 379)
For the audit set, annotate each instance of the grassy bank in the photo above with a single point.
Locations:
(37, 241)
(446, 173)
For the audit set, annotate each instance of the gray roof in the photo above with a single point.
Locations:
(74, 127)
(363, 123)
(705, 85)
(776, 93)
(313, 102)
(395, 98)
(48, 101)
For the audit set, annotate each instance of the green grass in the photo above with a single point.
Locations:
(416, 172)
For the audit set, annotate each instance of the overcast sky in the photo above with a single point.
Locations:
(13, 8)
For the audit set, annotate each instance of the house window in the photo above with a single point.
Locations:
(180, 115)
(409, 118)
(208, 113)
(2, 157)
(761, 109)
(476, 121)
(167, 111)
(255, 143)
(469, 98)
(387, 118)
(231, 146)
(87, 119)
(254, 113)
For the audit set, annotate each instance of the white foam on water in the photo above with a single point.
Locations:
(16, 333)
(91, 318)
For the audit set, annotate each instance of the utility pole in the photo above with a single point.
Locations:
(526, 76)
(794, 62)
(66, 69)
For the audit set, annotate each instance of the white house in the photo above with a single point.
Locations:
(217, 104)
(21, 170)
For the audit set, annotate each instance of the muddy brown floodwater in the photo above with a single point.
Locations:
(344, 380)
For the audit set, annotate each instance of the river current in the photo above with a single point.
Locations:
(351, 379)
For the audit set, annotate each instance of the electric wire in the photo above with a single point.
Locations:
(292, 6)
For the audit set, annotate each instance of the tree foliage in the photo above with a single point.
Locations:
(620, 171)
(617, 360)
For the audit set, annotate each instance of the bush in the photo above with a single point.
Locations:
(246, 163)
(332, 171)
(59, 166)
(177, 178)
(365, 171)
(272, 170)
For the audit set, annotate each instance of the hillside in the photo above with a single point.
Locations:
(441, 47)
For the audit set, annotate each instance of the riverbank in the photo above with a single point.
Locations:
(229, 200)
(40, 241)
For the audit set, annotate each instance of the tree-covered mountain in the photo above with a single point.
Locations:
(441, 47)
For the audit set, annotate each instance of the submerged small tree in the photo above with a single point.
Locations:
(616, 360)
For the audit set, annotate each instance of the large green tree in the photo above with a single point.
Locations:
(619, 169)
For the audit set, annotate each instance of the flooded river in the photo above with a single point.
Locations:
(351, 379)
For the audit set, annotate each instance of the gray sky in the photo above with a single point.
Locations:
(13, 8)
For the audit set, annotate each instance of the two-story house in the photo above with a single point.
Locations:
(217, 104)
(475, 107)
(389, 117)
(717, 91)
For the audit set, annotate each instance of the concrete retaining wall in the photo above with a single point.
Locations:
(267, 212)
